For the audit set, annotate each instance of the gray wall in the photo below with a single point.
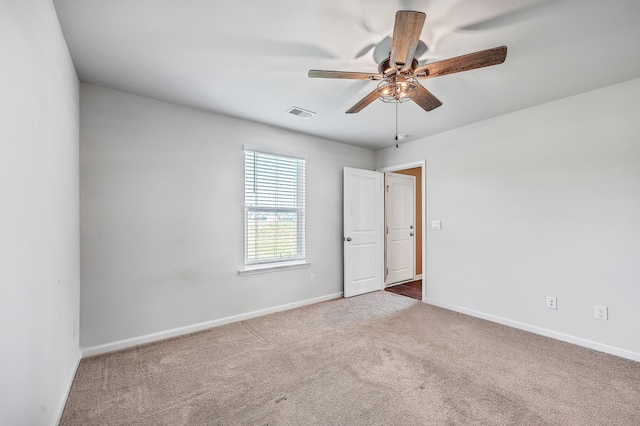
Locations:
(162, 218)
(541, 202)
(39, 259)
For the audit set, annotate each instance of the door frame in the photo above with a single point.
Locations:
(423, 166)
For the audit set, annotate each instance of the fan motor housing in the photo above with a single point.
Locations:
(385, 67)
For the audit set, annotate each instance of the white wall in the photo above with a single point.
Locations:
(541, 202)
(162, 218)
(39, 215)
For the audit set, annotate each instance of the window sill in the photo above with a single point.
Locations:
(272, 267)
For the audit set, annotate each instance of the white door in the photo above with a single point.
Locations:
(400, 224)
(363, 231)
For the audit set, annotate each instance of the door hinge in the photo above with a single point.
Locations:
(387, 189)
(386, 271)
(387, 229)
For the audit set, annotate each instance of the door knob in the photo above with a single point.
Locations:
(348, 238)
(411, 234)
(410, 226)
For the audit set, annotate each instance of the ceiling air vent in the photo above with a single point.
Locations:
(299, 112)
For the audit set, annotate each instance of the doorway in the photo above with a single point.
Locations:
(414, 286)
(399, 217)
(364, 231)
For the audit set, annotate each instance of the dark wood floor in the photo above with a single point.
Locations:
(412, 289)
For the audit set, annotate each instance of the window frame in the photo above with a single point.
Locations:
(299, 210)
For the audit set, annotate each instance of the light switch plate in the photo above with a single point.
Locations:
(436, 224)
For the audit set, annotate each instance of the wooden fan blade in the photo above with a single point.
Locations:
(481, 59)
(363, 102)
(344, 74)
(426, 99)
(406, 34)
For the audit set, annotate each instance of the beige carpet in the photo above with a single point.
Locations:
(376, 359)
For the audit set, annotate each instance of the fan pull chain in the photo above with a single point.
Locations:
(397, 123)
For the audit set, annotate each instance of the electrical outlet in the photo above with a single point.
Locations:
(312, 278)
(552, 302)
(601, 312)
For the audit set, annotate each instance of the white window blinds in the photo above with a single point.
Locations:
(274, 208)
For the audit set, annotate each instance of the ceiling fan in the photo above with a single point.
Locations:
(399, 72)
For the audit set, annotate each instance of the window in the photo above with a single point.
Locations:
(274, 214)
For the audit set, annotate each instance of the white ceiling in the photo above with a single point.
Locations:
(249, 58)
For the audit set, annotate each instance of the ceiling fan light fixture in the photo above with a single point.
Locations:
(399, 71)
(397, 89)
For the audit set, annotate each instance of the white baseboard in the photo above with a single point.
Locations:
(67, 390)
(148, 338)
(623, 353)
